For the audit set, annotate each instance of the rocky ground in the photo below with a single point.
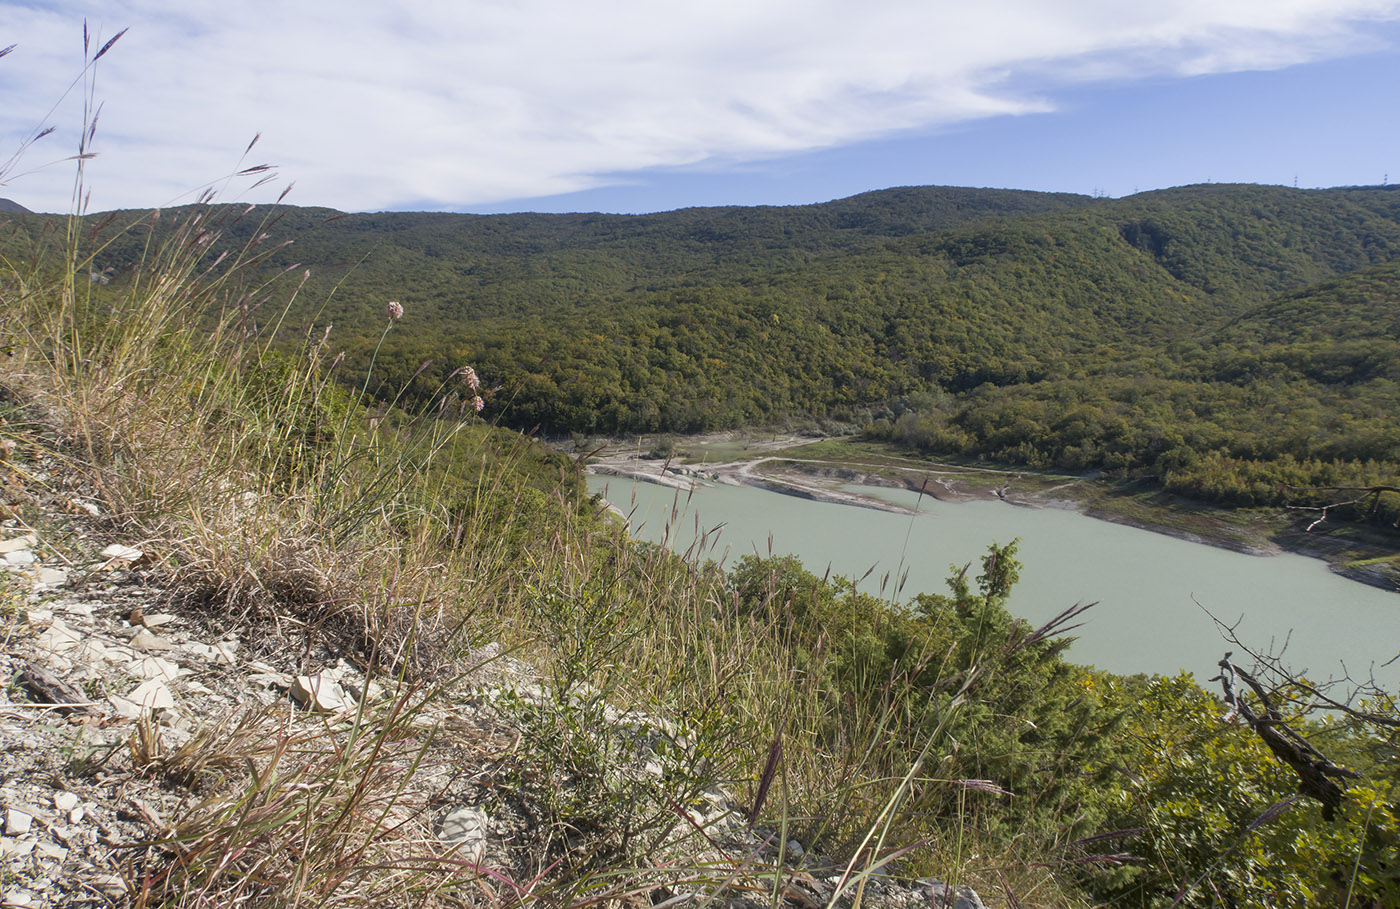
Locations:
(136, 721)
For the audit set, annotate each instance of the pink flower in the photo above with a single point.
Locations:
(469, 376)
(477, 403)
(395, 309)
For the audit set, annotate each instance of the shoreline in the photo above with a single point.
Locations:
(823, 479)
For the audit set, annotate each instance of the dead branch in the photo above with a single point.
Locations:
(1317, 775)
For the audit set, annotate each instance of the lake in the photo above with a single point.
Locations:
(1153, 591)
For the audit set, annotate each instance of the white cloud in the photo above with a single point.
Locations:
(458, 102)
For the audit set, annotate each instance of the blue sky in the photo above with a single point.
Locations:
(625, 105)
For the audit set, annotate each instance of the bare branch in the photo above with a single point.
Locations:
(1317, 774)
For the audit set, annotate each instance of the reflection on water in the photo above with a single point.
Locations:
(1153, 592)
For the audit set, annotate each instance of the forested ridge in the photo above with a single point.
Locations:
(1218, 339)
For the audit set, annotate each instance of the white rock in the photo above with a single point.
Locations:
(58, 637)
(52, 577)
(18, 544)
(76, 815)
(157, 620)
(465, 828)
(321, 693)
(153, 667)
(19, 898)
(144, 640)
(123, 708)
(152, 694)
(65, 801)
(14, 847)
(117, 552)
(20, 558)
(225, 652)
(17, 822)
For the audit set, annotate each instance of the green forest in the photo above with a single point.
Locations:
(304, 454)
(1222, 341)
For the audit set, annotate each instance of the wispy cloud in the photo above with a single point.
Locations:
(467, 102)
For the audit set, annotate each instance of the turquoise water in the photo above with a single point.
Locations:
(1154, 593)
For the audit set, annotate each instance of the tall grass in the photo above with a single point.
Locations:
(221, 436)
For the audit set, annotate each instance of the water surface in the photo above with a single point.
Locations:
(1154, 592)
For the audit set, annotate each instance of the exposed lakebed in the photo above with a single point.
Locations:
(1155, 593)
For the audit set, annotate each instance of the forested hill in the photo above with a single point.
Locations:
(966, 320)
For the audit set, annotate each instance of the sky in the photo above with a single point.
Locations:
(639, 105)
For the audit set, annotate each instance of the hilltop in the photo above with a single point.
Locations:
(1045, 330)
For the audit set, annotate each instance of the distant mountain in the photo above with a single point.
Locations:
(7, 205)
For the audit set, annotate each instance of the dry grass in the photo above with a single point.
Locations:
(277, 502)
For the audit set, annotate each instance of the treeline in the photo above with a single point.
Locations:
(1298, 392)
(1195, 335)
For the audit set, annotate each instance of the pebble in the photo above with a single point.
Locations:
(65, 801)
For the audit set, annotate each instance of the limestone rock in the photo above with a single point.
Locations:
(18, 544)
(465, 828)
(942, 895)
(119, 553)
(59, 637)
(144, 640)
(319, 693)
(17, 822)
(152, 694)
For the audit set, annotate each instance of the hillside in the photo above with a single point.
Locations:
(1049, 330)
(371, 654)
